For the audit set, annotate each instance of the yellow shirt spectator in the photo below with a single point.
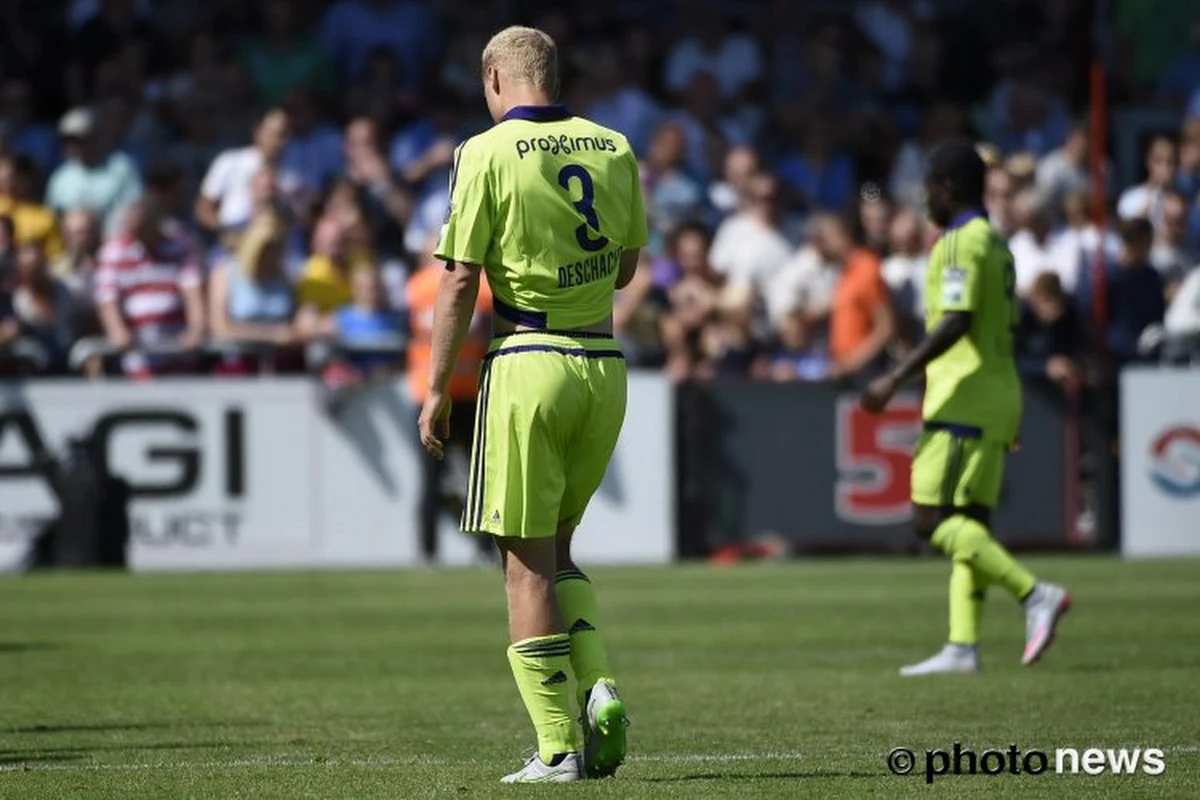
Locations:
(33, 224)
(325, 285)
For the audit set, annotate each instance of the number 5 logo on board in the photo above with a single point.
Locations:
(874, 460)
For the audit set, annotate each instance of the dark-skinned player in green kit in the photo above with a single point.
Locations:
(971, 413)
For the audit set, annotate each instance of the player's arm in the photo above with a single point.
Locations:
(628, 268)
(960, 299)
(954, 326)
(466, 238)
(453, 309)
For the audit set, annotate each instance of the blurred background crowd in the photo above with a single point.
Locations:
(213, 186)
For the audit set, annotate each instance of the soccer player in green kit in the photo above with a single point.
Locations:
(549, 205)
(971, 413)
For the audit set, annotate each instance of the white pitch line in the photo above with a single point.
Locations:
(410, 761)
(290, 762)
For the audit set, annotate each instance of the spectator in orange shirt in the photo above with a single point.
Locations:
(445, 481)
(861, 322)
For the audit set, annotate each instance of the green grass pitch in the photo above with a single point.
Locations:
(759, 681)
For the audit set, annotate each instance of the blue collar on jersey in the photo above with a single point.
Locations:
(550, 113)
(964, 218)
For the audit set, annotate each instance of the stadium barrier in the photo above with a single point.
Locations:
(803, 467)
(1160, 464)
(246, 474)
(27, 352)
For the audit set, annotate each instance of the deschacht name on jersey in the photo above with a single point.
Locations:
(592, 268)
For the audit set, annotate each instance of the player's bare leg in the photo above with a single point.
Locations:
(602, 712)
(540, 659)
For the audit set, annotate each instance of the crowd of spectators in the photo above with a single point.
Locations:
(215, 186)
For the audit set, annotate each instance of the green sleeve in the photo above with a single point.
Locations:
(467, 234)
(638, 235)
(962, 256)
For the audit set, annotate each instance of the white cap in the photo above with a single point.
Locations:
(77, 122)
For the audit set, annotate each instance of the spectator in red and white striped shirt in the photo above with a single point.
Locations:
(148, 292)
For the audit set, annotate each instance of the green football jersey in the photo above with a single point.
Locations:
(974, 383)
(546, 203)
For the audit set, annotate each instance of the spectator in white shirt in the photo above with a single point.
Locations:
(1146, 199)
(1183, 314)
(733, 58)
(225, 200)
(749, 248)
(1035, 248)
(806, 281)
(904, 270)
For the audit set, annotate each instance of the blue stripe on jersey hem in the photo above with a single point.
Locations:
(551, 113)
(964, 218)
(555, 332)
(954, 428)
(549, 348)
(518, 316)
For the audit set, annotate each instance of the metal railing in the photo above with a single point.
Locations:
(316, 353)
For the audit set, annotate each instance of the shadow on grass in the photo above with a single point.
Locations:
(27, 647)
(756, 776)
(42, 753)
(52, 758)
(113, 727)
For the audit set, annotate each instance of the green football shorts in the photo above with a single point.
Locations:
(954, 466)
(550, 410)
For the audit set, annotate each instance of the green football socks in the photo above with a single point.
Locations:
(577, 602)
(964, 623)
(967, 541)
(540, 667)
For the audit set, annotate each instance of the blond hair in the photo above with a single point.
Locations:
(263, 231)
(525, 55)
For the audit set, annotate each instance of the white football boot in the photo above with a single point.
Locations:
(953, 659)
(564, 768)
(1043, 608)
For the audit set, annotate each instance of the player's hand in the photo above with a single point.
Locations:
(434, 424)
(878, 394)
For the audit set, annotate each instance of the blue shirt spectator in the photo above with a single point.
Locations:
(353, 28)
(821, 176)
(368, 321)
(23, 134)
(1048, 327)
(1135, 292)
(314, 149)
(423, 151)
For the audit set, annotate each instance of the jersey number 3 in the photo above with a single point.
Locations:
(585, 205)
